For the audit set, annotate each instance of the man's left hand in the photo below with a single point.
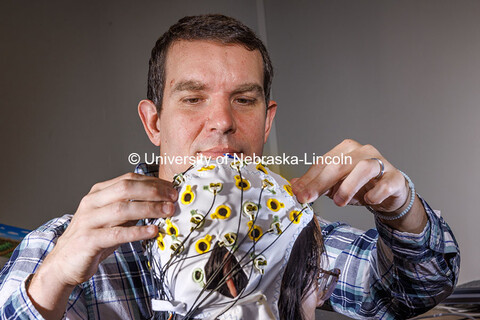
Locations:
(356, 182)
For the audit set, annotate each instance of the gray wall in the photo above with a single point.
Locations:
(71, 76)
(402, 76)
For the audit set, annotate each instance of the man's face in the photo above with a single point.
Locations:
(213, 103)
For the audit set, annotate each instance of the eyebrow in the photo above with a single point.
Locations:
(192, 85)
(188, 85)
(249, 87)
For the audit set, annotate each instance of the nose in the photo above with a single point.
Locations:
(221, 118)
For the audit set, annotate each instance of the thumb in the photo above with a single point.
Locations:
(294, 180)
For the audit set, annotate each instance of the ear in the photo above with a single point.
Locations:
(271, 111)
(150, 119)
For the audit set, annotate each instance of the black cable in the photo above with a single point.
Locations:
(174, 259)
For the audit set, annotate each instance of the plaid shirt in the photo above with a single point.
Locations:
(386, 274)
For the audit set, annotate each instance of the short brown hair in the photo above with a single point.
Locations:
(213, 27)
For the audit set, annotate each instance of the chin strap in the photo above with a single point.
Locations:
(171, 306)
(262, 307)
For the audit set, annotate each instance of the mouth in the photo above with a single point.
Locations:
(218, 152)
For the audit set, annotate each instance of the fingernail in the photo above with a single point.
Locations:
(367, 200)
(338, 200)
(167, 208)
(173, 195)
(152, 229)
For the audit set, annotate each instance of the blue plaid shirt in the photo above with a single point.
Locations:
(386, 274)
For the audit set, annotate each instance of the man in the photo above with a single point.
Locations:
(208, 94)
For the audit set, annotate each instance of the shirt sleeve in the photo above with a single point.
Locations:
(25, 260)
(387, 274)
(18, 305)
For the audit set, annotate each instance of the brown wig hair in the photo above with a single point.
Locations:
(301, 272)
(213, 27)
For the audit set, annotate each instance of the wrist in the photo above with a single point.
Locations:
(47, 293)
(413, 222)
(403, 210)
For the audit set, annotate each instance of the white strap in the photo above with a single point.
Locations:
(264, 311)
(172, 306)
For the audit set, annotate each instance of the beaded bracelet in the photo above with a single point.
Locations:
(404, 212)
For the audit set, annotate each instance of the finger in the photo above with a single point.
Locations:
(325, 180)
(363, 172)
(332, 174)
(346, 147)
(128, 176)
(119, 213)
(391, 185)
(152, 189)
(331, 192)
(321, 184)
(111, 237)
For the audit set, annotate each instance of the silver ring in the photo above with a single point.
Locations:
(382, 168)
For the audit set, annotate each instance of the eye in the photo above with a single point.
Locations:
(192, 100)
(245, 101)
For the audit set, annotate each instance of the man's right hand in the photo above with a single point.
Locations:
(105, 219)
